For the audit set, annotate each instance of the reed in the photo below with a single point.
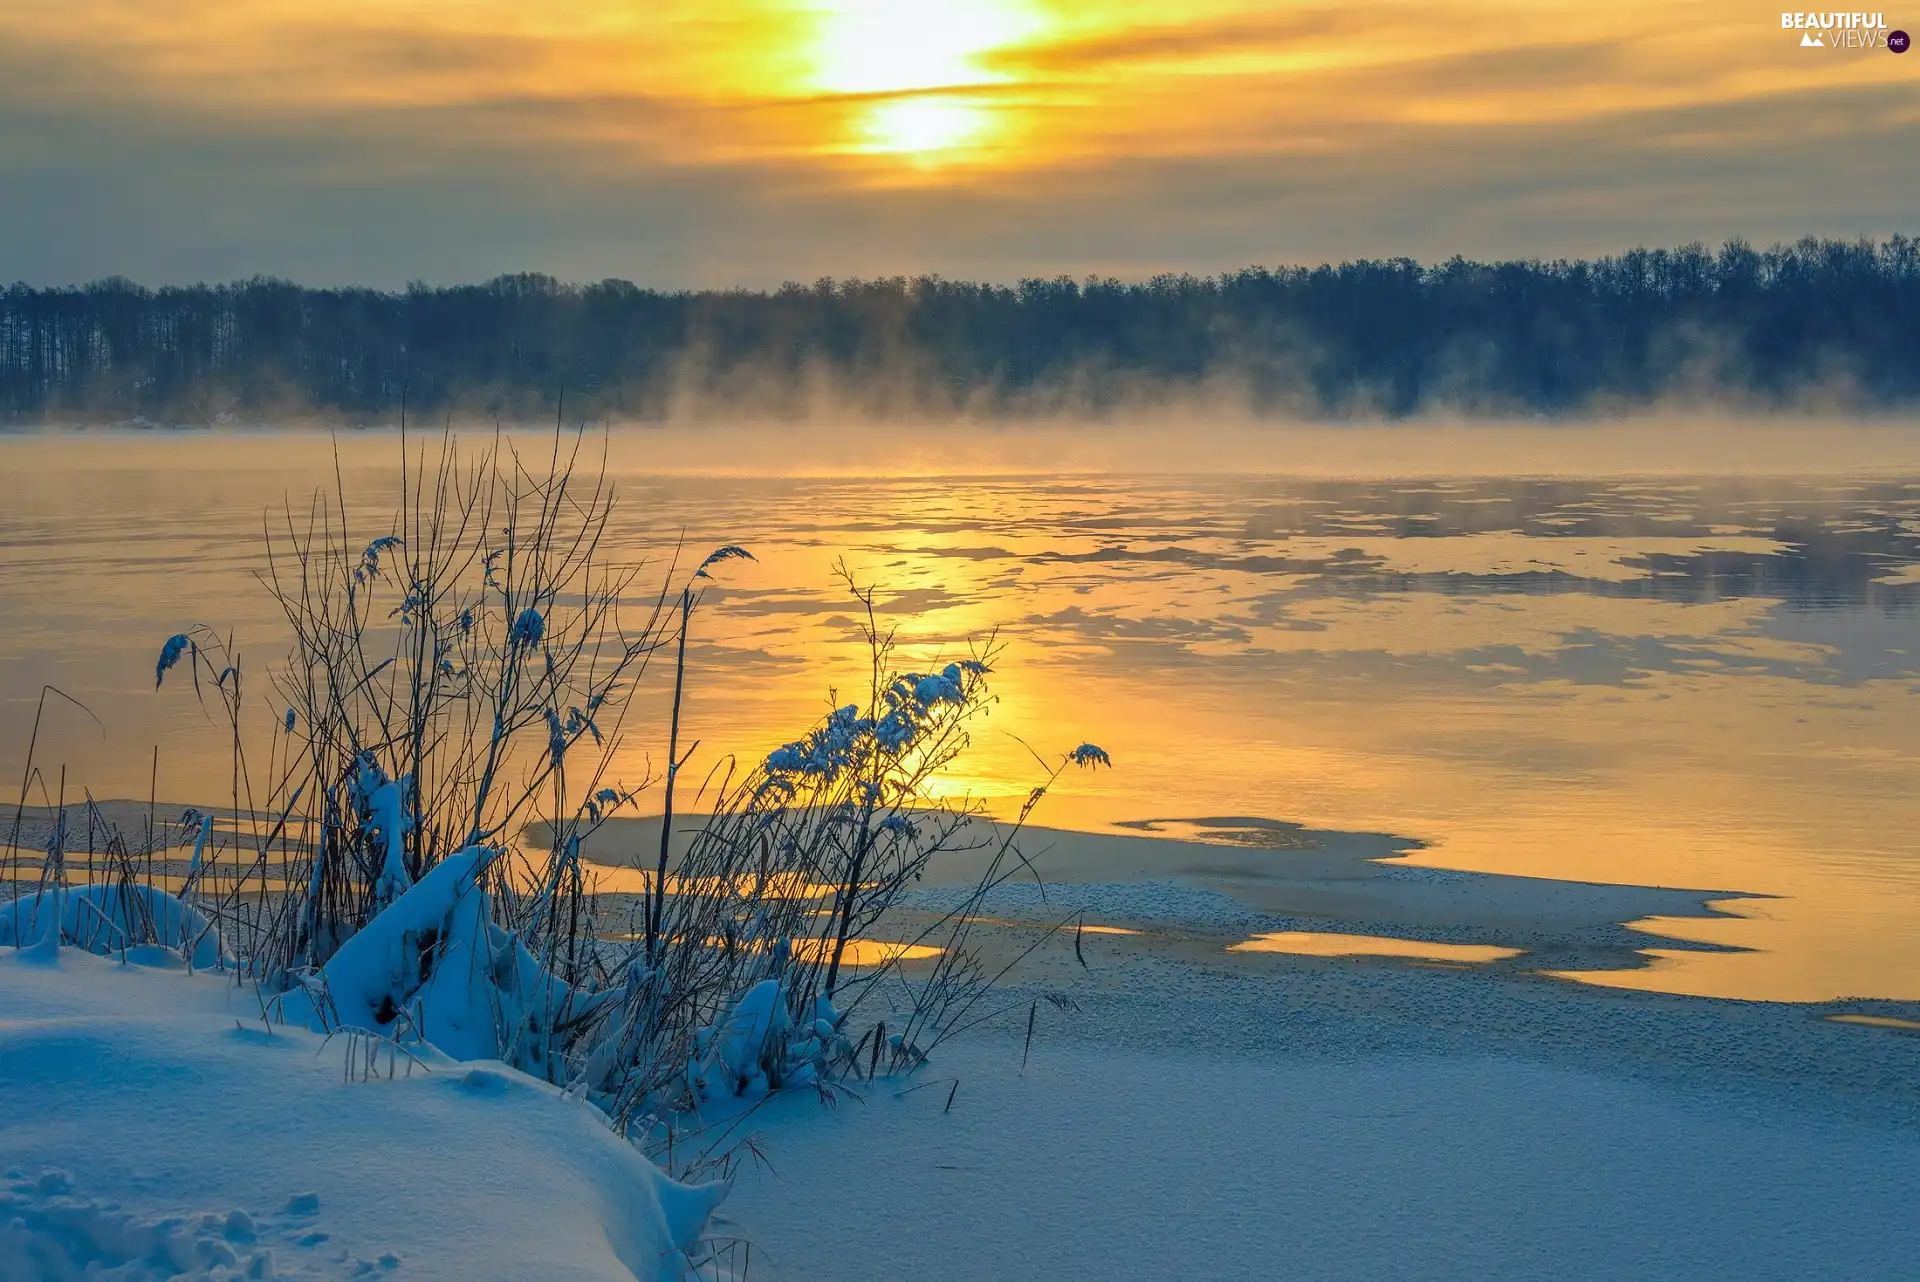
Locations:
(463, 674)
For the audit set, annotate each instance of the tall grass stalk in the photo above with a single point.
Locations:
(464, 675)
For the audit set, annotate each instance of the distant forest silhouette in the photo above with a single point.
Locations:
(1826, 324)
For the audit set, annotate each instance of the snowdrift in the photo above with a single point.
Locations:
(152, 1124)
(107, 919)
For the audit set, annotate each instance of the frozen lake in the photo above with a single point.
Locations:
(1705, 682)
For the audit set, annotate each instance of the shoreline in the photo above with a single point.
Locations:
(1206, 889)
(1201, 897)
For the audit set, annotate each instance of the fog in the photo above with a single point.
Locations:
(1167, 443)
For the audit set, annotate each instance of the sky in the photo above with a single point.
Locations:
(747, 142)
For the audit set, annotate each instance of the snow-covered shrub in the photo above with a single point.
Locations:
(433, 966)
(464, 677)
(743, 1052)
(454, 676)
(797, 862)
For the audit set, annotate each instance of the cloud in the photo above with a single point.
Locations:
(488, 154)
(1239, 34)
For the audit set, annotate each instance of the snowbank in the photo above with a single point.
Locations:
(103, 920)
(152, 1124)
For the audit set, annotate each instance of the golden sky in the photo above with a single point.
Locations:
(743, 141)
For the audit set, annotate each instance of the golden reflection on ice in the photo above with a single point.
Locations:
(1614, 731)
(1085, 928)
(864, 952)
(614, 879)
(1877, 1021)
(1304, 943)
(206, 886)
(858, 952)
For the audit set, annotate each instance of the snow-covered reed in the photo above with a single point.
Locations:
(464, 676)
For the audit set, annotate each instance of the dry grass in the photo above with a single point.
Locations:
(467, 672)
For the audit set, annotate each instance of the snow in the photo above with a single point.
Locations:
(1145, 902)
(103, 920)
(736, 1048)
(202, 837)
(383, 801)
(752, 1050)
(1326, 1119)
(432, 967)
(1184, 1111)
(151, 1125)
(1176, 1165)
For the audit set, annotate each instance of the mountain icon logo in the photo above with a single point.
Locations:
(1811, 41)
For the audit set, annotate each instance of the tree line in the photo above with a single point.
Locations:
(1826, 323)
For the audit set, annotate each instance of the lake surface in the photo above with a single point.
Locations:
(1704, 682)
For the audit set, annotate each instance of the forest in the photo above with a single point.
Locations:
(1817, 324)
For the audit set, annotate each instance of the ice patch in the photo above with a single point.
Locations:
(1120, 901)
(1421, 875)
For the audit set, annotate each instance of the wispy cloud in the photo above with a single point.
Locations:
(748, 141)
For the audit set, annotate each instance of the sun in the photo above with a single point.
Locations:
(921, 126)
(906, 54)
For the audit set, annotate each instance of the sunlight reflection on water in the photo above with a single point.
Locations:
(1708, 683)
(1321, 944)
(1877, 1021)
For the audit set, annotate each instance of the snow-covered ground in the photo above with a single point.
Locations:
(1183, 1111)
(1311, 1119)
(151, 1125)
